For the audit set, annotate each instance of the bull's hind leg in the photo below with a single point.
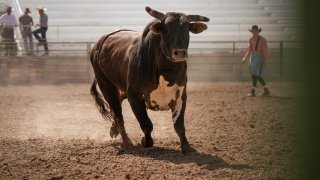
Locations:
(112, 96)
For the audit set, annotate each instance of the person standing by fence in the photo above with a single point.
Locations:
(26, 22)
(258, 51)
(9, 22)
(43, 27)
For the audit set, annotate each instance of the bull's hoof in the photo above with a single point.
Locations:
(186, 149)
(126, 140)
(114, 132)
(127, 144)
(147, 142)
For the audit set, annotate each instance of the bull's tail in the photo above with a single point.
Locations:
(101, 105)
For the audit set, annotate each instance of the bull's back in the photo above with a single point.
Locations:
(115, 51)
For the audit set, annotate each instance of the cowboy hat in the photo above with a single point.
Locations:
(9, 8)
(41, 8)
(27, 10)
(255, 27)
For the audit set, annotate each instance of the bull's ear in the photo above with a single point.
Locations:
(197, 27)
(156, 28)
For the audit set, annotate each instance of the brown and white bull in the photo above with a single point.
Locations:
(149, 69)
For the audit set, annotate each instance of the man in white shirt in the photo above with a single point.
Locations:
(9, 22)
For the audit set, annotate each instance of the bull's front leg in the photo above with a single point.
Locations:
(138, 107)
(178, 111)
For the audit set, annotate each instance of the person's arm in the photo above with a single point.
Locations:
(1, 20)
(264, 52)
(15, 22)
(246, 54)
(31, 23)
(20, 24)
(40, 20)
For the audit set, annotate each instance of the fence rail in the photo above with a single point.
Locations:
(205, 57)
(233, 47)
(218, 31)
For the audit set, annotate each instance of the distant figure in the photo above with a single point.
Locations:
(258, 51)
(26, 22)
(43, 27)
(9, 22)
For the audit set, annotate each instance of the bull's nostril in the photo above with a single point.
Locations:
(180, 52)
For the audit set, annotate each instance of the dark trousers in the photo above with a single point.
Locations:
(255, 79)
(43, 38)
(8, 33)
(10, 46)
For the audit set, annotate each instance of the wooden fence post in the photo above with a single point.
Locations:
(281, 61)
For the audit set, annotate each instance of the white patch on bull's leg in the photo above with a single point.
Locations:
(177, 109)
(163, 95)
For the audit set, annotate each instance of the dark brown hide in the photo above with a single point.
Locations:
(149, 69)
(115, 55)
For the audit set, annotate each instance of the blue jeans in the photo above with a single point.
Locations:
(42, 39)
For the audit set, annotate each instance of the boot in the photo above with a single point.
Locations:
(266, 92)
(253, 93)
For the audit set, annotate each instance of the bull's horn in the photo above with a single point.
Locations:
(155, 13)
(192, 18)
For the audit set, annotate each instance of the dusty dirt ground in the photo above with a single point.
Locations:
(56, 132)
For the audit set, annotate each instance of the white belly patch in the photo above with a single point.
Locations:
(163, 97)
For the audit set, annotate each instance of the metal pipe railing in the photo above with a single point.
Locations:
(238, 30)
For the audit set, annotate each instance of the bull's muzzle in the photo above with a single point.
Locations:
(179, 54)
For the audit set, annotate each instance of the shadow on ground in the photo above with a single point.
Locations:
(207, 161)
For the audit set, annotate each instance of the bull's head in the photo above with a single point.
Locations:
(174, 30)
